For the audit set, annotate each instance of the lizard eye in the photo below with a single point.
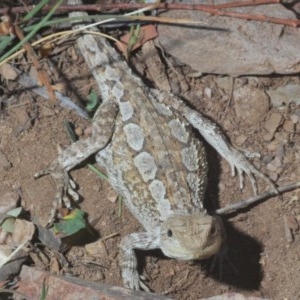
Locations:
(169, 233)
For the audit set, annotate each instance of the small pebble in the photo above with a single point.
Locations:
(96, 249)
(275, 164)
(88, 131)
(273, 122)
(208, 92)
(241, 139)
(282, 136)
(112, 195)
(266, 159)
(294, 118)
(289, 126)
(8, 72)
(250, 104)
(78, 131)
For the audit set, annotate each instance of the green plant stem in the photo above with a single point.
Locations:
(33, 32)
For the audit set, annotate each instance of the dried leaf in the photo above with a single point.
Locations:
(5, 28)
(46, 50)
(147, 32)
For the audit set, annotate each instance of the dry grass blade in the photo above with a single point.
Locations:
(42, 74)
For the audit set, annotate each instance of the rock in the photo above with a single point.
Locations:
(8, 72)
(23, 232)
(250, 104)
(13, 265)
(241, 139)
(267, 159)
(224, 83)
(23, 118)
(8, 201)
(289, 126)
(282, 137)
(208, 92)
(112, 195)
(97, 249)
(32, 281)
(273, 122)
(233, 296)
(275, 165)
(268, 137)
(233, 46)
(79, 131)
(285, 95)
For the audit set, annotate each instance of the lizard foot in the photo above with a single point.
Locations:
(134, 281)
(65, 187)
(239, 163)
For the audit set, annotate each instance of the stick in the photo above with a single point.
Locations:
(245, 203)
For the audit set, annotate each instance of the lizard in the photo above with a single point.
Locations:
(143, 137)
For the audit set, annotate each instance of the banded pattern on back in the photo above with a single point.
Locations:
(154, 159)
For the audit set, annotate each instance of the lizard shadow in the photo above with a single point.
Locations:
(240, 267)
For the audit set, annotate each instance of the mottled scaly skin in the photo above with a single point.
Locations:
(143, 138)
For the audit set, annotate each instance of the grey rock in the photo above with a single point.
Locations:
(284, 95)
(234, 46)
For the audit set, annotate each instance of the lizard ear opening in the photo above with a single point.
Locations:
(213, 230)
(169, 233)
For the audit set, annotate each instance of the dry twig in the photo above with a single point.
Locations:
(218, 9)
(247, 202)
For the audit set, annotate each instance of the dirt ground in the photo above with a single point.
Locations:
(261, 260)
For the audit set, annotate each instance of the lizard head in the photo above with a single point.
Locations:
(191, 236)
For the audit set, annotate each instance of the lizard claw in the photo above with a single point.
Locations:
(136, 283)
(249, 173)
(238, 161)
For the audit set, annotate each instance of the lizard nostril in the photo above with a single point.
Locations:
(169, 233)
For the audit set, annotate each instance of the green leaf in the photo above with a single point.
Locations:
(93, 101)
(71, 223)
(8, 225)
(15, 212)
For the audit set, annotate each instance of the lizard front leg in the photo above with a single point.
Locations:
(102, 130)
(212, 133)
(128, 260)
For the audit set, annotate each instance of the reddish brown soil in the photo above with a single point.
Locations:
(261, 262)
